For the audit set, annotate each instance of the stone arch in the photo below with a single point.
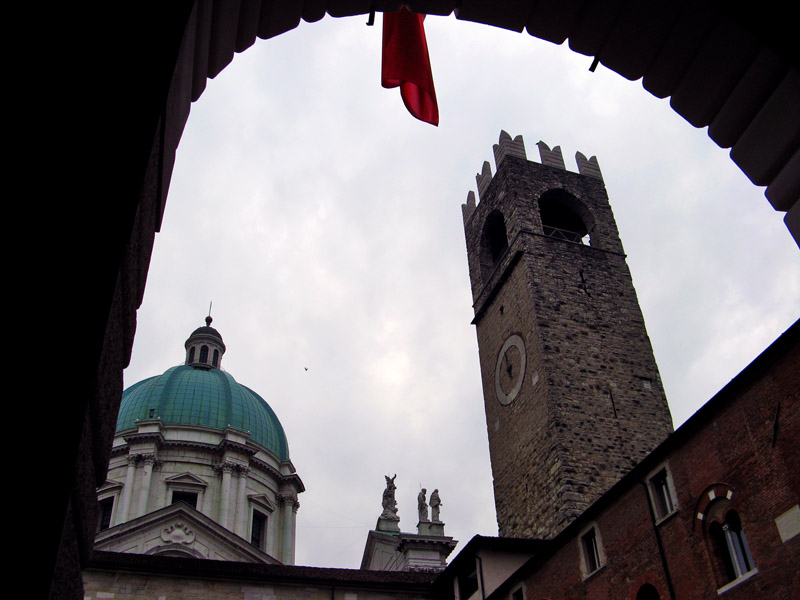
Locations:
(494, 242)
(731, 69)
(746, 95)
(647, 592)
(179, 550)
(564, 216)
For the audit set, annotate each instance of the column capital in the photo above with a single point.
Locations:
(290, 499)
(225, 467)
(150, 458)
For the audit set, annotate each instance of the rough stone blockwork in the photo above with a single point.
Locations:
(578, 401)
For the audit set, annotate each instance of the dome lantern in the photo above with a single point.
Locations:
(204, 348)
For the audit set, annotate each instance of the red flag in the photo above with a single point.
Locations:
(406, 63)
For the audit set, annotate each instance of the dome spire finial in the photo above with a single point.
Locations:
(209, 320)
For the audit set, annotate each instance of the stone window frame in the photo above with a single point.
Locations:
(256, 511)
(112, 490)
(260, 504)
(659, 484)
(175, 483)
(101, 512)
(590, 549)
(174, 490)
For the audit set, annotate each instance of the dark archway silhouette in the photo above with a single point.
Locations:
(120, 81)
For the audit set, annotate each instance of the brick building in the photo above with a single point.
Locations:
(712, 511)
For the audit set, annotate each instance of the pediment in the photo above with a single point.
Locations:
(186, 478)
(109, 485)
(179, 530)
(262, 500)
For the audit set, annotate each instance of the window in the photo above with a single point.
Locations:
(189, 498)
(518, 594)
(590, 547)
(204, 354)
(191, 355)
(467, 582)
(215, 360)
(661, 494)
(730, 546)
(564, 217)
(106, 506)
(258, 532)
(591, 552)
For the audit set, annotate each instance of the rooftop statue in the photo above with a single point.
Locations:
(435, 504)
(389, 502)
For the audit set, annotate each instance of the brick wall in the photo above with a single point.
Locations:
(734, 447)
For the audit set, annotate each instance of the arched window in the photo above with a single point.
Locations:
(215, 360)
(647, 592)
(191, 355)
(565, 217)
(204, 354)
(729, 544)
(494, 241)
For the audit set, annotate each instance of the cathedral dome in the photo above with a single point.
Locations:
(204, 397)
(199, 467)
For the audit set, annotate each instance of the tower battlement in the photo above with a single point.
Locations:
(516, 148)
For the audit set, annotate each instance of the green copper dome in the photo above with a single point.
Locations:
(206, 397)
(199, 393)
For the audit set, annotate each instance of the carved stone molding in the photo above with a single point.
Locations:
(177, 533)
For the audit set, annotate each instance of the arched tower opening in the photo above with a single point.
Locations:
(565, 217)
(494, 242)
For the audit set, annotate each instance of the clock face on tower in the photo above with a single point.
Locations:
(510, 369)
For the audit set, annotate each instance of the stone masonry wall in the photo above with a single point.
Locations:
(127, 585)
(591, 404)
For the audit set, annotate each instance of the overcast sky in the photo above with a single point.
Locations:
(325, 224)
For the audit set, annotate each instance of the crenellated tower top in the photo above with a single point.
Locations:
(516, 147)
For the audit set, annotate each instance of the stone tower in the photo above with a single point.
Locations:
(571, 389)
